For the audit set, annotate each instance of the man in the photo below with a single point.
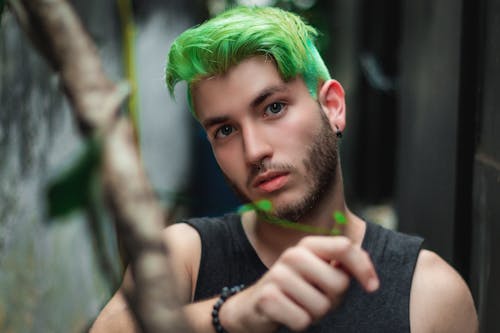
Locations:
(273, 117)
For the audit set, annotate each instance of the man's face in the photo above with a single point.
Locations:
(270, 138)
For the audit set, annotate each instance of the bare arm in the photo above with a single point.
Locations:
(185, 249)
(115, 317)
(306, 282)
(440, 299)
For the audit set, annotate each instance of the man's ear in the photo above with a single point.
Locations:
(332, 99)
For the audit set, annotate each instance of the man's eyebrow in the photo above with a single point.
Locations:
(266, 93)
(209, 122)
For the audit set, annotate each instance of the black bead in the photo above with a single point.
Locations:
(225, 294)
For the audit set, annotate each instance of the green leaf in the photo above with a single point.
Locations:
(339, 217)
(2, 4)
(261, 205)
(264, 205)
(72, 189)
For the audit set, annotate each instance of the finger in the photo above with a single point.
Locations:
(281, 309)
(317, 272)
(351, 257)
(301, 291)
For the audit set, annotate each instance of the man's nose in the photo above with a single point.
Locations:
(256, 146)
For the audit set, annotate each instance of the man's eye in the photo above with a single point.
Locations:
(223, 131)
(274, 108)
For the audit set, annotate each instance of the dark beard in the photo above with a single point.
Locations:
(321, 163)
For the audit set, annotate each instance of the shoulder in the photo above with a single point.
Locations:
(186, 233)
(187, 240)
(440, 299)
(181, 236)
(391, 248)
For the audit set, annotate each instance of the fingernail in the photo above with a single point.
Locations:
(372, 284)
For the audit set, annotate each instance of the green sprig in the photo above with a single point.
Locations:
(339, 217)
(264, 207)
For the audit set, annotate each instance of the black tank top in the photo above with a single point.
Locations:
(228, 259)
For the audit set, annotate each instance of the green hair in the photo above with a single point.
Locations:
(213, 47)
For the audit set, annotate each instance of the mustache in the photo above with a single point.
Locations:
(266, 166)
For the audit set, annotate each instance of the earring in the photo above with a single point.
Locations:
(338, 133)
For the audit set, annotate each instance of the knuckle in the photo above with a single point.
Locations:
(323, 306)
(278, 273)
(344, 246)
(301, 323)
(268, 295)
(292, 255)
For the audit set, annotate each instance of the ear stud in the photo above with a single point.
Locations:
(338, 133)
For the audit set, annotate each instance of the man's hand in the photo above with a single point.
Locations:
(306, 282)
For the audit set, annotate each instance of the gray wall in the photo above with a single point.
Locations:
(449, 140)
(485, 221)
(429, 100)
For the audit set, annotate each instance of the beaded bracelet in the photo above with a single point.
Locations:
(224, 295)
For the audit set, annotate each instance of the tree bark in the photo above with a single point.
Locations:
(57, 32)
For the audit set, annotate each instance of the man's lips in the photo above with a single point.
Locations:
(271, 181)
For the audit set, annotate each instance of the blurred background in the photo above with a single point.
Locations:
(421, 152)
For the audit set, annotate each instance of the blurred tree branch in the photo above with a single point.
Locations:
(58, 34)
